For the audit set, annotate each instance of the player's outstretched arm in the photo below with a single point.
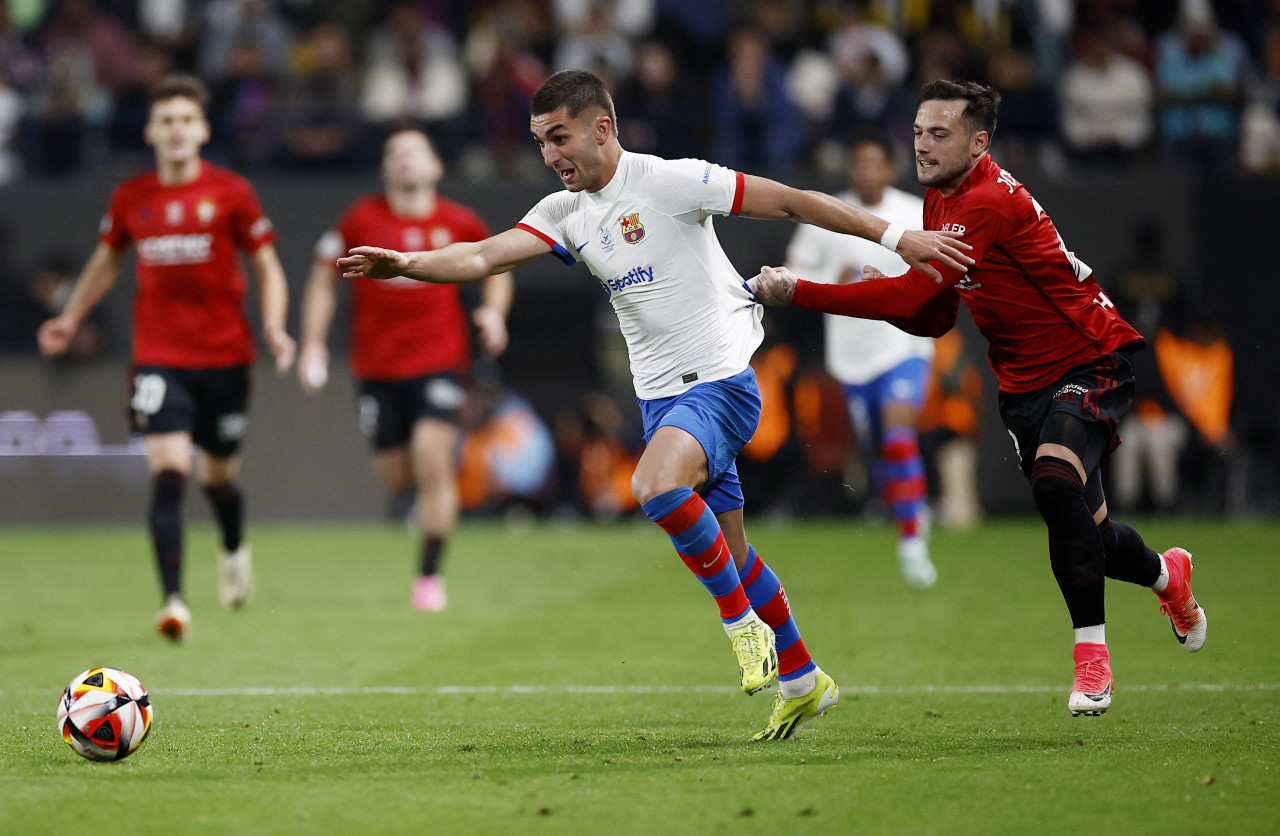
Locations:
(457, 263)
(274, 293)
(98, 276)
(769, 199)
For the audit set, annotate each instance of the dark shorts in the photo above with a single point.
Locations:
(1080, 412)
(209, 404)
(388, 409)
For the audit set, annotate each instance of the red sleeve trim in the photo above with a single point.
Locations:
(738, 191)
(550, 241)
(556, 249)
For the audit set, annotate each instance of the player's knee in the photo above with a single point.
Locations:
(1055, 483)
(646, 485)
(169, 481)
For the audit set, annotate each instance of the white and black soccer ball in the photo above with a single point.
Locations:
(104, 714)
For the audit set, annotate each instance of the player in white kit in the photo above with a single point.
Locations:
(883, 371)
(642, 225)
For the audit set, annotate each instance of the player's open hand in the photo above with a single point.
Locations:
(372, 263)
(919, 247)
(281, 346)
(54, 336)
(773, 286)
(492, 328)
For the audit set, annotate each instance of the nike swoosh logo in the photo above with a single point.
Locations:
(580, 248)
(708, 564)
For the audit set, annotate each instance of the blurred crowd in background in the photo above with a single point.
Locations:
(767, 86)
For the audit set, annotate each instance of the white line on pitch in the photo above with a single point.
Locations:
(869, 690)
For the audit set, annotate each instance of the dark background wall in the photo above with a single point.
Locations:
(305, 459)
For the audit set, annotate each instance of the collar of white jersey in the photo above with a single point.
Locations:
(613, 188)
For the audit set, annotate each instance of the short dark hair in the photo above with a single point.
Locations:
(983, 103)
(576, 91)
(180, 86)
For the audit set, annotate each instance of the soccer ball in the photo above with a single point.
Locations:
(104, 714)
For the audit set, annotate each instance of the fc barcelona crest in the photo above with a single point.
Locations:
(632, 229)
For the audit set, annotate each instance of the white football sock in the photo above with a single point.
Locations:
(1097, 634)
(748, 616)
(798, 687)
(1163, 581)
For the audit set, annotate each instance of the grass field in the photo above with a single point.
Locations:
(579, 683)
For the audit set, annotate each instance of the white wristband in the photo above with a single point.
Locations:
(892, 235)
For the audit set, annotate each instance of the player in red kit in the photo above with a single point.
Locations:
(1059, 349)
(192, 344)
(409, 341)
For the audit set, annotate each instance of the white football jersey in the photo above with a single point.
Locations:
(647, 238)
(860, 350)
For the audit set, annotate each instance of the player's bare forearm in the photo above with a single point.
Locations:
(498, 292)
(274, 290)
(94, 282)
(455, 264)
(319, 301)
(770, 200)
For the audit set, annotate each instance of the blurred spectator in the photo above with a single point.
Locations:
(857, 39)
(756, 127)
(695, 31)
(660, 110)
(1200, 73)
(231, 28)
(597, 35)
(1107, 100)
(65, 108)
(867, 102)
(317, 120)
(1027, 111)
(1260, 122)
(240, 113)
(79, 26)
(872, 64)
(506, 72)
(19, 64)
(12, 112)
(132, 106)
(413, 73)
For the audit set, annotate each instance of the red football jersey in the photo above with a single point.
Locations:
(189, 311)
(1036, 303)
(401, 328)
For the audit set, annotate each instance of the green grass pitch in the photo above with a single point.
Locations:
(580, 683)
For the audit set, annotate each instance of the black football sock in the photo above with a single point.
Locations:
(165, 521)
(432, 546)
(228, 507)
(1128, 557)
(1075, 544)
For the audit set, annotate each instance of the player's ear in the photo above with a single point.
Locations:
(980, 143)
(604, 129)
